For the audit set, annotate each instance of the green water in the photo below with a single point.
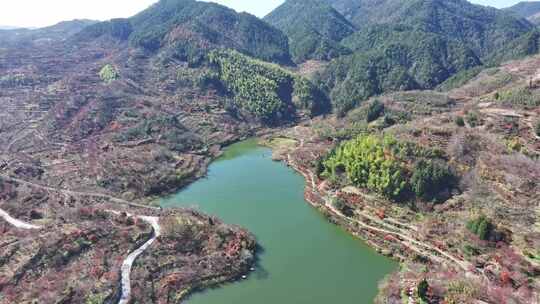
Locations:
(304, 259)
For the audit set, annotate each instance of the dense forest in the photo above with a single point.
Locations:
(266, 91)
(399, 170)
(392, 58)
(314, 28)
(189, 29)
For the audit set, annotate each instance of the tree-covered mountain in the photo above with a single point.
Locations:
(188, 29)
(527, 9)
(314, 29)
(264, 91)
(393, 58)
(482, 28)
(418, 44)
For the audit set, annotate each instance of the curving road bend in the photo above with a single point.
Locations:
(128, 262)
(16, 222)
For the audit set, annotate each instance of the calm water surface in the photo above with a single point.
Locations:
(305, 259)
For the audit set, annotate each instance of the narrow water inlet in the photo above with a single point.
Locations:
(304, 258)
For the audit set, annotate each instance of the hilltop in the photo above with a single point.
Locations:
(188, 29)
(59, 31)
(529, 10)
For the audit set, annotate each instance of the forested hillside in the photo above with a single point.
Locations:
(392, 58)
(265, 91)
(189, 29)
(419, 44)
(454, 18)
(314, 29)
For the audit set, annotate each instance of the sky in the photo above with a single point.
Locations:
(39, 13)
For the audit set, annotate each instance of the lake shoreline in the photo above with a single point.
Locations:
(215, 178)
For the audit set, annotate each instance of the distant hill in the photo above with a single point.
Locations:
(7, 27)
(188, 29)
(67, 28)
(314, 29)
(59, 31)
(527, 9)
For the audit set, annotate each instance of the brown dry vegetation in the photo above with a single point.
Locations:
(73, 146)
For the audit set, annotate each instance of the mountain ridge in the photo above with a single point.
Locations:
(190, 28)
(57, 32)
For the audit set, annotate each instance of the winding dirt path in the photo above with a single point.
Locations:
(130, 259)
(128, 262)
(15, 222)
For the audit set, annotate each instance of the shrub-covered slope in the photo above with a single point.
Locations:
(313, 27)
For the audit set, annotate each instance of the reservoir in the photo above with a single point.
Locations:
(304, 259)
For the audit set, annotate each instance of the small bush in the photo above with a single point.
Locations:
(422, 290)
(95, 299)
(108, 74)
(389, 121)
(473, 119)
(481, 226)
(343, 208)
(460, 122)
(537, 128)
(514, 145)
(431, 179)
(470, 250)
(319, 166)
(376, 108)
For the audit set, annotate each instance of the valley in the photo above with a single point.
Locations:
(417, 132)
